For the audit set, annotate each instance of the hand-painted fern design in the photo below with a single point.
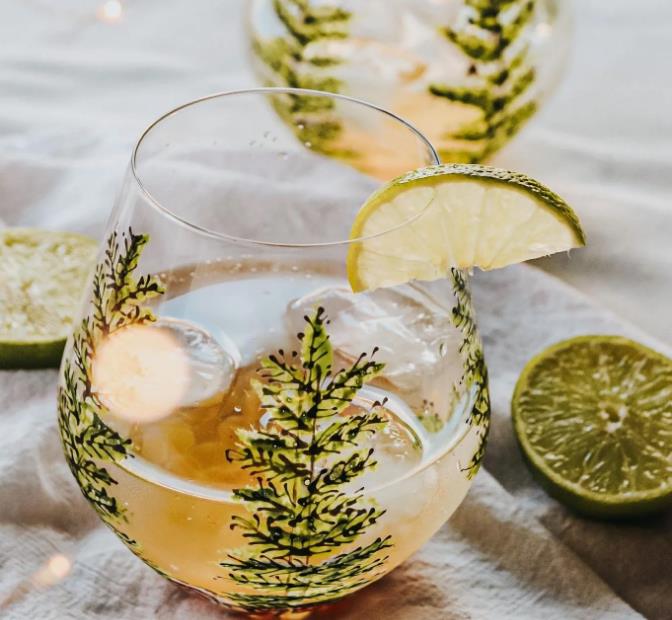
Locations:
(117, 300)
(295, 60)
(492, 34)
(475, 370)
(300, 516)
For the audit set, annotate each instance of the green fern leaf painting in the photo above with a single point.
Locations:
(289, 62)
(475, 369)
(305, 516)
(491, 33)
(118, 300)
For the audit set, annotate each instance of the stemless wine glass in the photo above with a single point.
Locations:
(467, 73)
(247, 425)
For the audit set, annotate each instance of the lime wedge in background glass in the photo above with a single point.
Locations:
(593, 416)
(460, 216)
(42, 276)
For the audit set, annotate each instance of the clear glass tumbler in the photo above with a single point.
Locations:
(467, 73)
(247, 425)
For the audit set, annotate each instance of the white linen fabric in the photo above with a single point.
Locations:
(75, 92)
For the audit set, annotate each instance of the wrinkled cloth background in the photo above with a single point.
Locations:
(74, 94)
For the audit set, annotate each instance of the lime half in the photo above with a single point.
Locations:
(42, 275)
(456, 215)
(593, 416)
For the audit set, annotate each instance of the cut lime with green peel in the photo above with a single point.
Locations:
(428, 221)
(593, 416)
(42, 275)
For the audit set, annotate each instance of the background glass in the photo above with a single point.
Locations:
(467, 74)
(246, 424)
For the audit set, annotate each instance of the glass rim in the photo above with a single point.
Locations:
(216, 234)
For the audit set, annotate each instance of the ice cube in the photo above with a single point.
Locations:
(212, 362)
(415, 337)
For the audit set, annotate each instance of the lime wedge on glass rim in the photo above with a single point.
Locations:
(593, 417)
(42, 275)
(456, 215)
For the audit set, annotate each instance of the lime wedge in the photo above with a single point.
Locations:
(42, 275)
(593, 416)
(455, 215)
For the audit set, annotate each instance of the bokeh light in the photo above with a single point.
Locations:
(141, 372)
